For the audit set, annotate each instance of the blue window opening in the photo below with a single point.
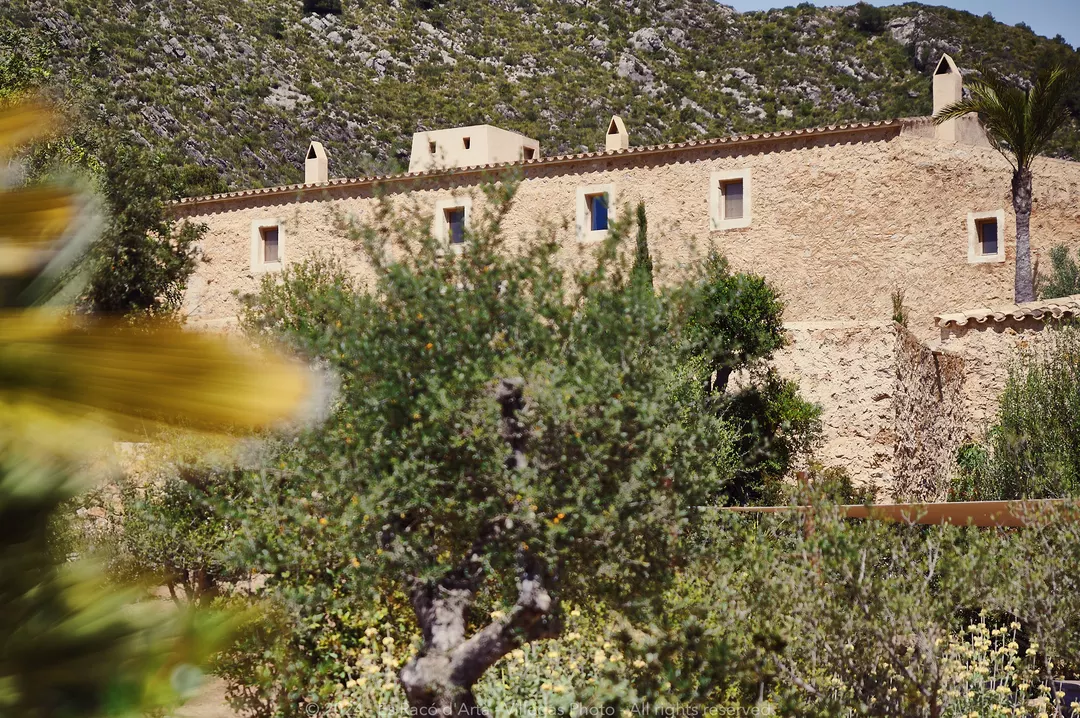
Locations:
(988, 236)
(598, 212)
(455, 223)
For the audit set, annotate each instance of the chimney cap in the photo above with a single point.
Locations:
(316, 151)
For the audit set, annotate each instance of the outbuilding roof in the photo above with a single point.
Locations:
(1043, 310)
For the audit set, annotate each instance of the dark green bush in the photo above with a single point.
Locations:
(869, 19)
(323, 7)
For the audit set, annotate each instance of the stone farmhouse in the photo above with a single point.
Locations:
(836, 217)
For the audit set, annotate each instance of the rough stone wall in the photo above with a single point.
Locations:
(838, 221)
(847, 368)
(930, 418)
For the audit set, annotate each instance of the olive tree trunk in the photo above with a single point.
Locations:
(1024, 288)
(440, 679)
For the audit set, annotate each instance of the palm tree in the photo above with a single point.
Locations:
(1019, 125)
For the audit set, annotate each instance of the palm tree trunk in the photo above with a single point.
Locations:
(1021, 195)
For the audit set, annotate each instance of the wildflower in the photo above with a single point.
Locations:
(351, 684)
(575, 613)
(429, 346)
(497, 615)
(355, 562)
(639, 663)
(599, 657)
(323, 521)
(371, 631)
(388, 641)
(545, 686)
(559, 689)
(365, 651)
(388, 686)
(372, 669)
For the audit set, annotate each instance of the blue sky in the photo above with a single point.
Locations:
(1046, 17)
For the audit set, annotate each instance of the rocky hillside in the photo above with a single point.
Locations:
(241, 85)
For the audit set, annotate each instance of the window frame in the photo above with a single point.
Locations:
(258, 249)
(441, 228)
(585, 232)
(717, 220)
(974, 220)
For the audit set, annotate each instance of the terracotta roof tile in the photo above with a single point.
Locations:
(1060, 308)
(552, 160)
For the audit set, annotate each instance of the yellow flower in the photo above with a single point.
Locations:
(323, 521)
(545, 686)
(639, 663)
(388, 686)
(496, 615)
(559, 689)
(388, 641)
(599, 657)
(575, 613)
(371, 631)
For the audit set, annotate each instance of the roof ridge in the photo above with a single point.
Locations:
(553, 159)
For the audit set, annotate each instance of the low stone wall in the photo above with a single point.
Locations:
(987, 349)
(847, 368)
(897, 408)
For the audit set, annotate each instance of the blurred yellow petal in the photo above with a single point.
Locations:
(57, 373)
(20, 124)
(31, 222)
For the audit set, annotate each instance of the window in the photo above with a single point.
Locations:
(987, 230)
(528, 152)
(597, 205)
(732, 190)
(467, 142)
(986, 239)
(730, 199)
(452, 221)
(267, 245)
(595, 211)
(431, 148)
(455, 224)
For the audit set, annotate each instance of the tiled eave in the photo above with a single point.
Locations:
(1047, 309)
(736, 140)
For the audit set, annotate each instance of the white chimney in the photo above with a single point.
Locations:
(948, 88)
(617, 137)
(316, 166)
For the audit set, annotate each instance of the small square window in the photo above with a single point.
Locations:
(528, 153)
(268, 240)
(431, 148)
(467, 142)
(988, 236)
(597, 207)
(985, 240)
(269, 244)
(732, 191)
(731, 197)
(455, 224)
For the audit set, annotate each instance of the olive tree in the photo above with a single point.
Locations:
(510, 434)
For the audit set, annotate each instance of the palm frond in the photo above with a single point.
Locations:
(1018, 123)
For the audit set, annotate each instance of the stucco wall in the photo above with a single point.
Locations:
(838, 221)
